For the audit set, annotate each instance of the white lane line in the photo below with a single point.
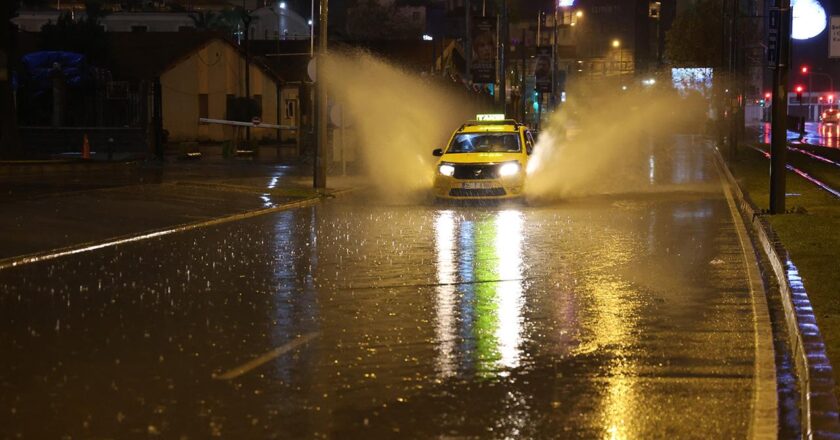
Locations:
(265, 358)
(6, 263)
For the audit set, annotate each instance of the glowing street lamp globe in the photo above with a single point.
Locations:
(809, 19)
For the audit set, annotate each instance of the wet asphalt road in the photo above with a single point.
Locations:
(614, 316)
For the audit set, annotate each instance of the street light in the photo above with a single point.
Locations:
(617, 45)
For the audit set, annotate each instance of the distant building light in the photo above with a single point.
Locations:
(310, 22)
(427, 37)
(282, 5)
(565, 3)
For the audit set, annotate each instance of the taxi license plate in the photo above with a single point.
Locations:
(477, 185)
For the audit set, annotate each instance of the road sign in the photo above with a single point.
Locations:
(773, 38)
(834, 37)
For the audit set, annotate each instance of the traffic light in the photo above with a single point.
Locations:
(804, 70)
(799, 93)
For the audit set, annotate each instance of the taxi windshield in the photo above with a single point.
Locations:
(485, 143)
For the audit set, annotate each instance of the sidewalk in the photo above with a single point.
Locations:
(62, 207)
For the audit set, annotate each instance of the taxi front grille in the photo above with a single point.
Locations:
(476, 172)
(481, 192)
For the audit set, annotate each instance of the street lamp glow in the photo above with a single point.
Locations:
(565, 3)
(809, 19)
(616, 43)
(427, 37)
(310, 22)
(579, 14)
(282, 5)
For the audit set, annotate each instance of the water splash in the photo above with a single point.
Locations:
(398, 119)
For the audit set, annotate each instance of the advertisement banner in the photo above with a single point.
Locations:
(542, 69)
(834, 37)
(483, 50)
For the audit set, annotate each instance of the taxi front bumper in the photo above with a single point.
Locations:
(469, 189)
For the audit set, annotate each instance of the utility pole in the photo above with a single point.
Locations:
(502, 57)
(552, 97)
(468, 39)
(246, 22)
(734, 83)
(320, 171)
(780, 26)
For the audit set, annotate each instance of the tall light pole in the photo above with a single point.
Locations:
(807, 71)
(320, 171)
(468, 39)
(780, 26)
(617, 45)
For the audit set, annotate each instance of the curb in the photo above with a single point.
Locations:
(20, 260)
(18, 167)
(817, 404)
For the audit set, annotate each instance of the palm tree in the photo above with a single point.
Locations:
(207, 20)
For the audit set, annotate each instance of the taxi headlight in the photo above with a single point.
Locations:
(509, 169)
(446, 170)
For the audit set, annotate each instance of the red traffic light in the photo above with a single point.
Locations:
(767, 96)
(799, 89)
(804, 69)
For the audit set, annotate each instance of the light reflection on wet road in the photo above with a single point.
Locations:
(620, 316)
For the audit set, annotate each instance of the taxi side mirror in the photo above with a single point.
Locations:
(438, 152)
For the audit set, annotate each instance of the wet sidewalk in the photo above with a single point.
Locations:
(46, 210)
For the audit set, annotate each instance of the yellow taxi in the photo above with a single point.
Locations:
(485, 159)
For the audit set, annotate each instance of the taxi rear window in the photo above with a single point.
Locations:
(485, 143)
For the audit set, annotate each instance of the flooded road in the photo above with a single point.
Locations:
(621, 315)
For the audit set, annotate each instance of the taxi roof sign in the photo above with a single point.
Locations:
(490, 117)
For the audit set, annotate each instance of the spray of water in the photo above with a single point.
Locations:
(600, 141)
(597, 143)
(398, 119)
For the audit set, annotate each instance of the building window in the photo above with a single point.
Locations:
(203, 106)
(139, 28)
(291, 105)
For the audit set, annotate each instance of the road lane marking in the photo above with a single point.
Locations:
(6, 263)
(765, 419)
(265, 358)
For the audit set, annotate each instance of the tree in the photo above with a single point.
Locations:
(207, 20)
(370, 20)
(696, 38)
(85, 36)
(9, 135)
